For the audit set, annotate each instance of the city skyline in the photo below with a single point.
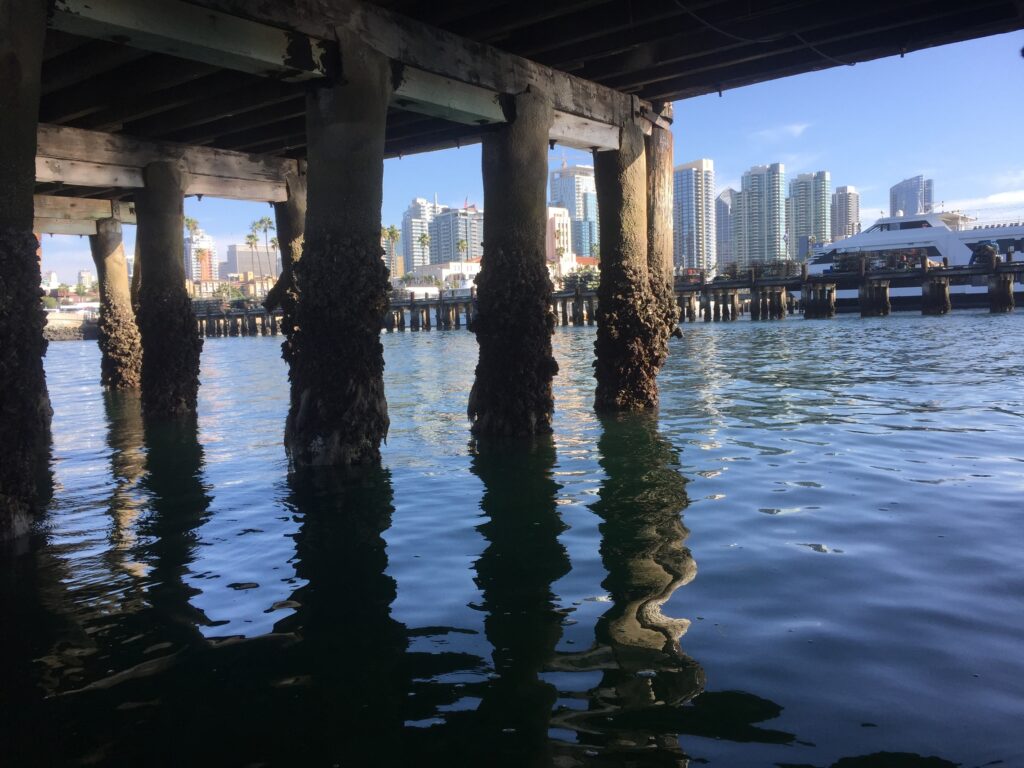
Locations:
(866, 127)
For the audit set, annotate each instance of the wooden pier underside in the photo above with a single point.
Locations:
(231, 74)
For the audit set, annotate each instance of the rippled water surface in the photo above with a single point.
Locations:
(811, 556)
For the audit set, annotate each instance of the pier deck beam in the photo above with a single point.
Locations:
(512, 392)
(170, 337)
(631, 328)
(24, 403)
(338, 414)
(119, 340)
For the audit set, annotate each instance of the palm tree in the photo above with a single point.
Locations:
(392, 234)
(424, 241)
(462, 246)
(253, 242)
(266, 226)
(276, 245)
(192, 226)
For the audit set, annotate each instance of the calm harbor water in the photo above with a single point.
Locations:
(811, 556)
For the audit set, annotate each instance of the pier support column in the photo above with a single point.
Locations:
(659, 158)
(170, 340)
(290, 220)
(1000, 293)
(24, 404)
(119, 341)
(935, 296)
(755, 304)
(632, 330)
(338, 414)
(512, 394)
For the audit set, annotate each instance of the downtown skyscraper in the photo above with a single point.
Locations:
(808, 212)
(759, 216)
(845, 213)
(694, 244)
(911, 196)
(573, 188)
(725, 207)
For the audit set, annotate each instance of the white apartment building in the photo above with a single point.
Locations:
(845, 213)
(415, 225)
(808, 215)
(201, 257)
(759, 217)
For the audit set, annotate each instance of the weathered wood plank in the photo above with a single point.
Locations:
(187, 31)
(418, 45)
(95, 159)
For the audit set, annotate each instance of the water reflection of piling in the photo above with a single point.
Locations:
(636, 645)
(515, 572)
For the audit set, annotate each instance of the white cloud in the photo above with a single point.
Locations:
(1010, 179)
(780, 132)
(1008, 204)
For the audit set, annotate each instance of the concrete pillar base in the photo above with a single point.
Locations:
(338, 415)
(170, 338)
(119, 340)
(25, 411)
(512, 394)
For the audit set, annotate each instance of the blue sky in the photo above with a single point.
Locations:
(953, 113)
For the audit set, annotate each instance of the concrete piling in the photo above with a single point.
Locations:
(24, 402)
(338, 414)
(935, 296)
(512, 391)
(119, 340)
(170, 341)
(1000, 293)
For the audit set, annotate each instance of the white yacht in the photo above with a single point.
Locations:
(897, 242)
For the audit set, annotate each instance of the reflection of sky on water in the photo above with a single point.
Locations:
(819, 460)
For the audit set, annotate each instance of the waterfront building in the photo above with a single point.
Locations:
(808, 214)
(415, 225)
(725, 205)
(50, 282)
(911, 196)
(451, 274)
(558, 235)
(261, 261)
(694, 238)
(456, 234)
(394, 260)
(573, 188)
(759, 216)
(85, 280)
(845, 213)
(201, 257)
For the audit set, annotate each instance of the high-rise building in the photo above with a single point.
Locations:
(759, 216)
(807, 212)
(201, 257)
(85, 280)
(416, 228)
(261, 261)
(845, 213)
(573, 188)
(457, 234)
(393, 258)
(585, 239)
(694, 240)
(725, 205)
(911, 196)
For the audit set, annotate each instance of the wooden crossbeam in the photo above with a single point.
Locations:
(77, 215)
(190, 32)
(94, 159)
(442, 75)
